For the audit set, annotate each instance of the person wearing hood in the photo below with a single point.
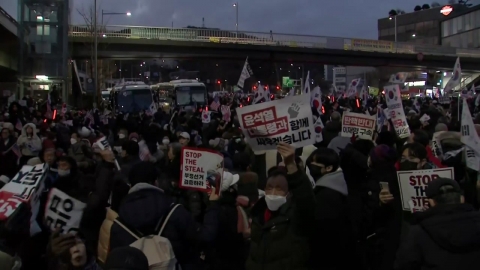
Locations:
(283, 220)
(445, 236)
(29, 143)
(8, 158)
(332, 235)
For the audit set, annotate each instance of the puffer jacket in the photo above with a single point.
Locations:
(29, 146)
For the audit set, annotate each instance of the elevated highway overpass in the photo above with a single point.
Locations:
(136, 42)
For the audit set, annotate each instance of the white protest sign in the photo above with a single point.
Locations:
(395, 109)
(63, 211)
(26, 186)
(289, 120)
(413, 185)
(360, 125)
(424, 118)
(436, 144)
(198, 167)
(103, 144)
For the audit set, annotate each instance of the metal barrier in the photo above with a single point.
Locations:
(270, 39)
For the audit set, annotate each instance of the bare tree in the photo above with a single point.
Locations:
(106, 67)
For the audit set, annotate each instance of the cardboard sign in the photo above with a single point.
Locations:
(289, 120)
(413, 185)
(395, 109)
(63, 211)
(360, 125)
(25, 187)
(200, 168)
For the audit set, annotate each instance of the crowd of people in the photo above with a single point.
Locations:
(266, 215)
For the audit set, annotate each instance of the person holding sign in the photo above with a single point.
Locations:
(445, 236)
(283, 220)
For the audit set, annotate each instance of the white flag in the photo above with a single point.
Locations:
(306, 87)
(318, 127)
(353, 87)
(470, 139)
(316, 99)
(399, 77)
(246, 73)
(456, 78)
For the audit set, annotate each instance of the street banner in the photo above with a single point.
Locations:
(395, 109)
(289, 120)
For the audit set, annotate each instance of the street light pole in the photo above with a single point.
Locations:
(236, 22)
(395, 27)
(95, 30)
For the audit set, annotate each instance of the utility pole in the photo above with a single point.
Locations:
(95, 30)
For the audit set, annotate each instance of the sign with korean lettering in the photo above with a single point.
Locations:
(413, 185)
(104, 145)
(360, 125)
(25, 187)
(395, 110)
(201, 169)
(63, 212)
(289, 120)
(436, 144)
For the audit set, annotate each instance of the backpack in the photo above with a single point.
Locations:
(156, 248)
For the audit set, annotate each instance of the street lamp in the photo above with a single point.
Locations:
(236, 22)
(395, 19)
(115, 13)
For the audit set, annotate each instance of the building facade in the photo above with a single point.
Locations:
(421, 27)
(43, 63)
(462, 30)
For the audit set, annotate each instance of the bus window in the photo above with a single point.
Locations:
(188, 95)
(134, 101)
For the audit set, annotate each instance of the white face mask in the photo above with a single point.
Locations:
(274, 202)
(165, 141)
(121, 136)
(73, 141)
(63, 172)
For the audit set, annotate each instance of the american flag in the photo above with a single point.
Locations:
(215, 104)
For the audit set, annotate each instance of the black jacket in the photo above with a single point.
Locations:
(282, 242)
(142, 210)
(445, 237)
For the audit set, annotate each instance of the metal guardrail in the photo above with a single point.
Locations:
(271, 39)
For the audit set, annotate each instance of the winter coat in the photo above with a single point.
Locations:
(282, 242)
(29, 146)
(8, 158)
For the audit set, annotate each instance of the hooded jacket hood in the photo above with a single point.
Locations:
(455, 228)
(335, 181)
(24, 129)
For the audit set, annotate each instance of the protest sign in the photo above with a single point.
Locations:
(225, 113)
(25, 187)
(104, 145)
(395, 109)
(413, 185)
(436, 144)
(200, 168)
(289, 120)
(360, 125)
(63, 212)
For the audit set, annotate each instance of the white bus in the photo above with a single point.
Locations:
(183, 92)
(132, 97)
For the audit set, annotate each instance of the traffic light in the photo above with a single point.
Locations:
(278, 87)
(219, 82)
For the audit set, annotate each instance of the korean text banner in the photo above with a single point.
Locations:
(395, 110)
(289, 120)
(63, 212)
(360, 125)
(413, 185)
(201, 169)
(25, 187)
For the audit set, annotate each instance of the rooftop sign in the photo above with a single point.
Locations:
(446, 10)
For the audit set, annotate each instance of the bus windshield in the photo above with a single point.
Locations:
(130, 101)
(189, 95)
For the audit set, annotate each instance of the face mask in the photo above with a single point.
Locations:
(408, 166)
(165, 141)
(274, 202)
(63, 172)
(315, 172)
(135, 140)
(73, 141)
(121, 136)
